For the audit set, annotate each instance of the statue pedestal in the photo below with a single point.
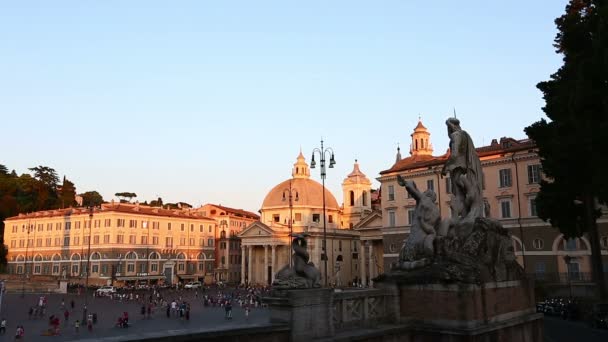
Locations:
(494, 311)
(307, 312)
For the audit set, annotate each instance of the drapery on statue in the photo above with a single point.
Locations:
(418, 248)
(465, 172)
(303, 273)
(467, 247)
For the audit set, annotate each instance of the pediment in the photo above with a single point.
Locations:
(256, 229)
(373, 220)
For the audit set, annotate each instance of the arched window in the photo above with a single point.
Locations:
(364, 198)
(154, 256)
(416, 143)
(352, 198)
(56, 257)
(38, 258)
(201, 256)
(131, 255)
(95, 256)
(75, 256)
(181, 256)
(339, 258)
(421, 143)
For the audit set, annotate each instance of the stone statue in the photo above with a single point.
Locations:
(465, 170)
(418, 247)
(303, 273)
(469, 247)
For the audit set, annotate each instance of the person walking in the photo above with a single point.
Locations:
(72, 304)
(19, 333)
(77, 326)
(90, 322)
(3, 326)
(66, 315)
(247, 313)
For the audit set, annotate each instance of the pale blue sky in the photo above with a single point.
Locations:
(202, 101)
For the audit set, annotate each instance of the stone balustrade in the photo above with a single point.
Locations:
(362, 308)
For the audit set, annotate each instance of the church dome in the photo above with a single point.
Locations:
(305, 191)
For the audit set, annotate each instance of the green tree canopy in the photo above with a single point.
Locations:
(573, 145)
(91, 198)
(125, 196)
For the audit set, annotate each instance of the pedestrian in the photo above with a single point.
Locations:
(246, 312)
(19, 333)
(168, 311)
(72, 304)
(62, 304)
(143, 311)
(3, 326)
(66, 315)
(149, 310)
(77, 326)
(30, 312)
(90, 322)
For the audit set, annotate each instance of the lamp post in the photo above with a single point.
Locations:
(88, 269)
(323, 152)
(27, 245)
(290, 222)
(567, 260)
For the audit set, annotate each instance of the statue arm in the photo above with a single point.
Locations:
(411, 188)
(455, 153)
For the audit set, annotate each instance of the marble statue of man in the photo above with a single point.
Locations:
(418, 247)
(465, 172)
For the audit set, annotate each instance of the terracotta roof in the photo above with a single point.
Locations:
(115, 207)
(420, 126)
(506, 145)
(239, 212)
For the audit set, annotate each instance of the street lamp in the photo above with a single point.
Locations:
(323, 152)
(27, 245)
(567, 260)
(88, 270)
(290, 222)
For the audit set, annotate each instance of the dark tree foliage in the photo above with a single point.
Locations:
(573, 145)
(67, 195)
(156, 203)
(91, 198)
(125, 196)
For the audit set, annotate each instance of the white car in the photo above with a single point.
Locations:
(106, 290)
(193, 285)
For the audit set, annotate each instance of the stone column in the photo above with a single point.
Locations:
(372, 267)
(362, 263)
(273, 262)
(242, 264)
(265, 268)
(250, 268)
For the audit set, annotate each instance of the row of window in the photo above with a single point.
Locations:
(569, 244)
(106, 223)
(120, 239)
(505, 212)
(103, 268)
(504, 175)
(298, 218)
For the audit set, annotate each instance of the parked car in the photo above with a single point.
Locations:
(193, 285)
(106, 290)
(599, 316)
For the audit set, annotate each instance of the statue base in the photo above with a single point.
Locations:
(308, 312)
(493, 311)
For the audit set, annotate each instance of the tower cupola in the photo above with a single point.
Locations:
(421, 142)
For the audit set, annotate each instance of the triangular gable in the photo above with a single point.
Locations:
(373, 220)
(257, 228)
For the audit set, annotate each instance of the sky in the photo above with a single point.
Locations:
(211, 101)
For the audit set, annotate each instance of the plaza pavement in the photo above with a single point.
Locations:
(15, 310)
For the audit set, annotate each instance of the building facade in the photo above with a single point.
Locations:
(230, 222)
(296, 205)
(127, 243)
(511, 177)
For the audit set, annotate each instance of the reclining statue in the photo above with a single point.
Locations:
(303, 273)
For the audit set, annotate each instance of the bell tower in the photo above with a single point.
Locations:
(356, 188)
(421, 142)
(300, 168)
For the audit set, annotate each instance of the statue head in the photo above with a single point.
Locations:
(453, 125)
(431, 194)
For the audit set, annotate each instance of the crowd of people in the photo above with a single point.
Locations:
(176, 302)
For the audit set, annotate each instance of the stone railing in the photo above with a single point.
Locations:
(362, 308)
